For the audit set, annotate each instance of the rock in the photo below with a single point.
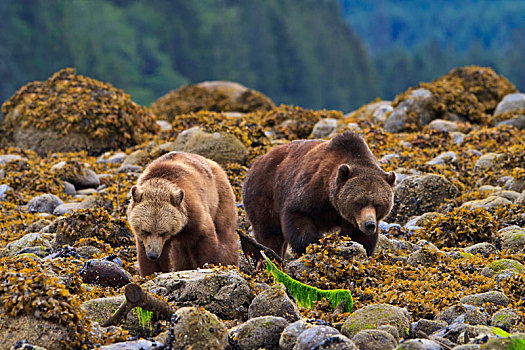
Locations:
(104, 273)
(355, 128)
(389, 158)
(505, 319)
(467, 347)
(324, 128)
(274, 302)
(384, 244)
(3, 191)
(484, 249)
(518, 122)
(45, 333)
(417, 106)
(7, 158)
(90, 202)
(424, 257)
(486, 161)
(461, 313)
(69, 188)
(101, 309)
(375, 111)
(499, 266)
(420, 194)
(135, 158)
(390, 329)
(76, 174)
(428, 326)
(44, 203)
(139, 344)
(494, 297)
(419, 344)
(199, 329)
(521, 199)
(109, 158)
(26, 241)
(512, 238)
(224, 293)
(336, 342)
(374, 339)
(164, 125)
(507, 194)
(314, 336)
(517, 185)
(488, 203)
(259, 332)
(457, 137)
(443, 125)
(375, 315)
(515, 341)
(219, 146)
(444, 158)
(24, 345)
(472, 333)
(510, 103)
(291, 333)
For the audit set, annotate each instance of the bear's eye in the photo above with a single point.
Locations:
(146, 233)
(164, 234)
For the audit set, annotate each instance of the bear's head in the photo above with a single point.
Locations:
(156, 214)
(363, 197)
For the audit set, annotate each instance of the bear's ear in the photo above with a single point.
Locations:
(390, 178)
(176, 197)
(136, 194)
(344, 173)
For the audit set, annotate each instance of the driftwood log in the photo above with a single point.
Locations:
(252, 249)
(137, 297)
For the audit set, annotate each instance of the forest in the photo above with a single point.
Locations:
(317, 54)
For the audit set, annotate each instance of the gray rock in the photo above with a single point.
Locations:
(26, 346)
(7, 158)
(129, 169)
(390, 329)
(419, 344)
(502, 265)
(291, 333)
(494, 297)
(324, 128)
(488, 203)
(419, 103)
(389, 158)
(507, 194)
(452, 332)
(380, 113)
(224, 293)
(26, 241)
(314, 336)
(374, 339)
(352, 250)
(512, 342)
(457, 137)
(68, 208)
(274, 302)
(486, 161)
(165, 148)
(375, 111)
(444, 158)
(355, 128)
(45, 333)
(512, 238)
(81, 177)
(521, 199)
(197, 328)
(69, 188)
(424, 257)
(109, 158)
(3, 191)
(471, 333)
(164, 125)
(505, 319)
(45, 203)
(336, 342)
(462, 313)
(376, 315)
(139, 344)
(517, 185)
(443, 125)
(135, 158)
(404, 245)
(467, 347)
(416, 195)
(259, 332)
(484, 249)
(101, 309)
(428, 326)
(384, 244)
(518, 122)
(510, 103)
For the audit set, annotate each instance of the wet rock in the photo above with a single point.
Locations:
(418, 105)
(518, 122)
(76, 174)
(443, 125)
(104, 273)
(44, 203)
(375, 315)
(109, 158)
(428, 326)
(224, 293)
(427, 256)
(291, 333)
(45, 333)
(484, 249)
(502, 265)
(314, 336)
(259, 332)
(488, 203)
(274, 302)
(139, 344)
(27, 241)
(419, 344)
(3, 191)
(515, 341)
(463, 313)
(197, 328)
(494, 297)
(420, 194)
(374, 339)
(505, 319)
(324, 128)
(219, 146)
(486, 161)
(510, 103)
(444, 158)
(101, 309)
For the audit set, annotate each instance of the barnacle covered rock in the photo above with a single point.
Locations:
(216, 96)
(70, 112)
(274, 302)
(259, 332)
(376, 315)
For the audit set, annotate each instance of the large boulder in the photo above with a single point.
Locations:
(376, 315)
(274, 302)
(259, 332)
(196, 328)
(70, 112)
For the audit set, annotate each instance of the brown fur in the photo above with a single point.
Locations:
(298, 190)
(183, 215)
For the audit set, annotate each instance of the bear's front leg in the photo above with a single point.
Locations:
(299, 230)
(368, 241)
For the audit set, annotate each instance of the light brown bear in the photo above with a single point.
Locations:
(183, 215)
(299, 190)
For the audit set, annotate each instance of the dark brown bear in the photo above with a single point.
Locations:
(183, 215)
(301, 189)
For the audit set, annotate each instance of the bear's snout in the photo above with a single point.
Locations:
(370, 227)
(153, 255)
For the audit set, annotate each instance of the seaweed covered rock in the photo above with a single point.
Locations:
(70, 112)
(465, 94)
(259, 332)
(216, 96)
(376, 315)
(274, 302)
